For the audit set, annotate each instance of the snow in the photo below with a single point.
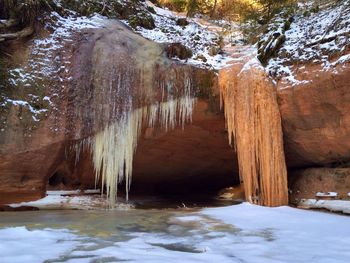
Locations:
(42, 62)
(328, 194)
(252, 63)
(198, 37)
(341, 206)
(71, 200)
(304, 42)
(35, 113)
(341, 60)
(63, 192)
(298, 235)
(240, 233)
(18, 244)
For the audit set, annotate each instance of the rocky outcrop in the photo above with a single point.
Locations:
(314, 110)
(48, 121)
(109, 71)
(316, 116)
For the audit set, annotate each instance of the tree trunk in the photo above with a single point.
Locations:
(212, 13)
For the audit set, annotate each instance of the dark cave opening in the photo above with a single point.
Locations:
(56, 179)
(62, 179)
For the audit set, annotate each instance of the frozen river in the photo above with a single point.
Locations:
(238, 233)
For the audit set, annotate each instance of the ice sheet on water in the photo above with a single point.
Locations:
(240, 233)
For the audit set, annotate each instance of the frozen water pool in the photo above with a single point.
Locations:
(238, 233)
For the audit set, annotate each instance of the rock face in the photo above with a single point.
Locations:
(316, 116)
(305, 184)
(111, 71)
(315, 120)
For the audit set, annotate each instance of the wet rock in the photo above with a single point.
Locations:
(232, 193)
(197, 38)
(273, 40)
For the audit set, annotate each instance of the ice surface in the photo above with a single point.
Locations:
(18, 244)
(241, 233)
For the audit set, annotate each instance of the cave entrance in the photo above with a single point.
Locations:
(62, 179)
(185, 165)
(181, 167)
(56, 179)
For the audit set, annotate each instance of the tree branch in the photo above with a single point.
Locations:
(20, 34)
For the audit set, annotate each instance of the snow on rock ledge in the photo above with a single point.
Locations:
(319, 38)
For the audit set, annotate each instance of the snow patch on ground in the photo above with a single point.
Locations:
(328, 194)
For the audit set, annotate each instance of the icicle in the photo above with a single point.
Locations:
(114, 147)
(113, 151)
(254, 124)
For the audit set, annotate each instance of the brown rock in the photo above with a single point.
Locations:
(36, 156)
(177, 50)
(304, 184)
(316, 117)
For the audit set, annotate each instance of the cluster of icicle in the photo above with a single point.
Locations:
(254, 124)
(113, 148)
